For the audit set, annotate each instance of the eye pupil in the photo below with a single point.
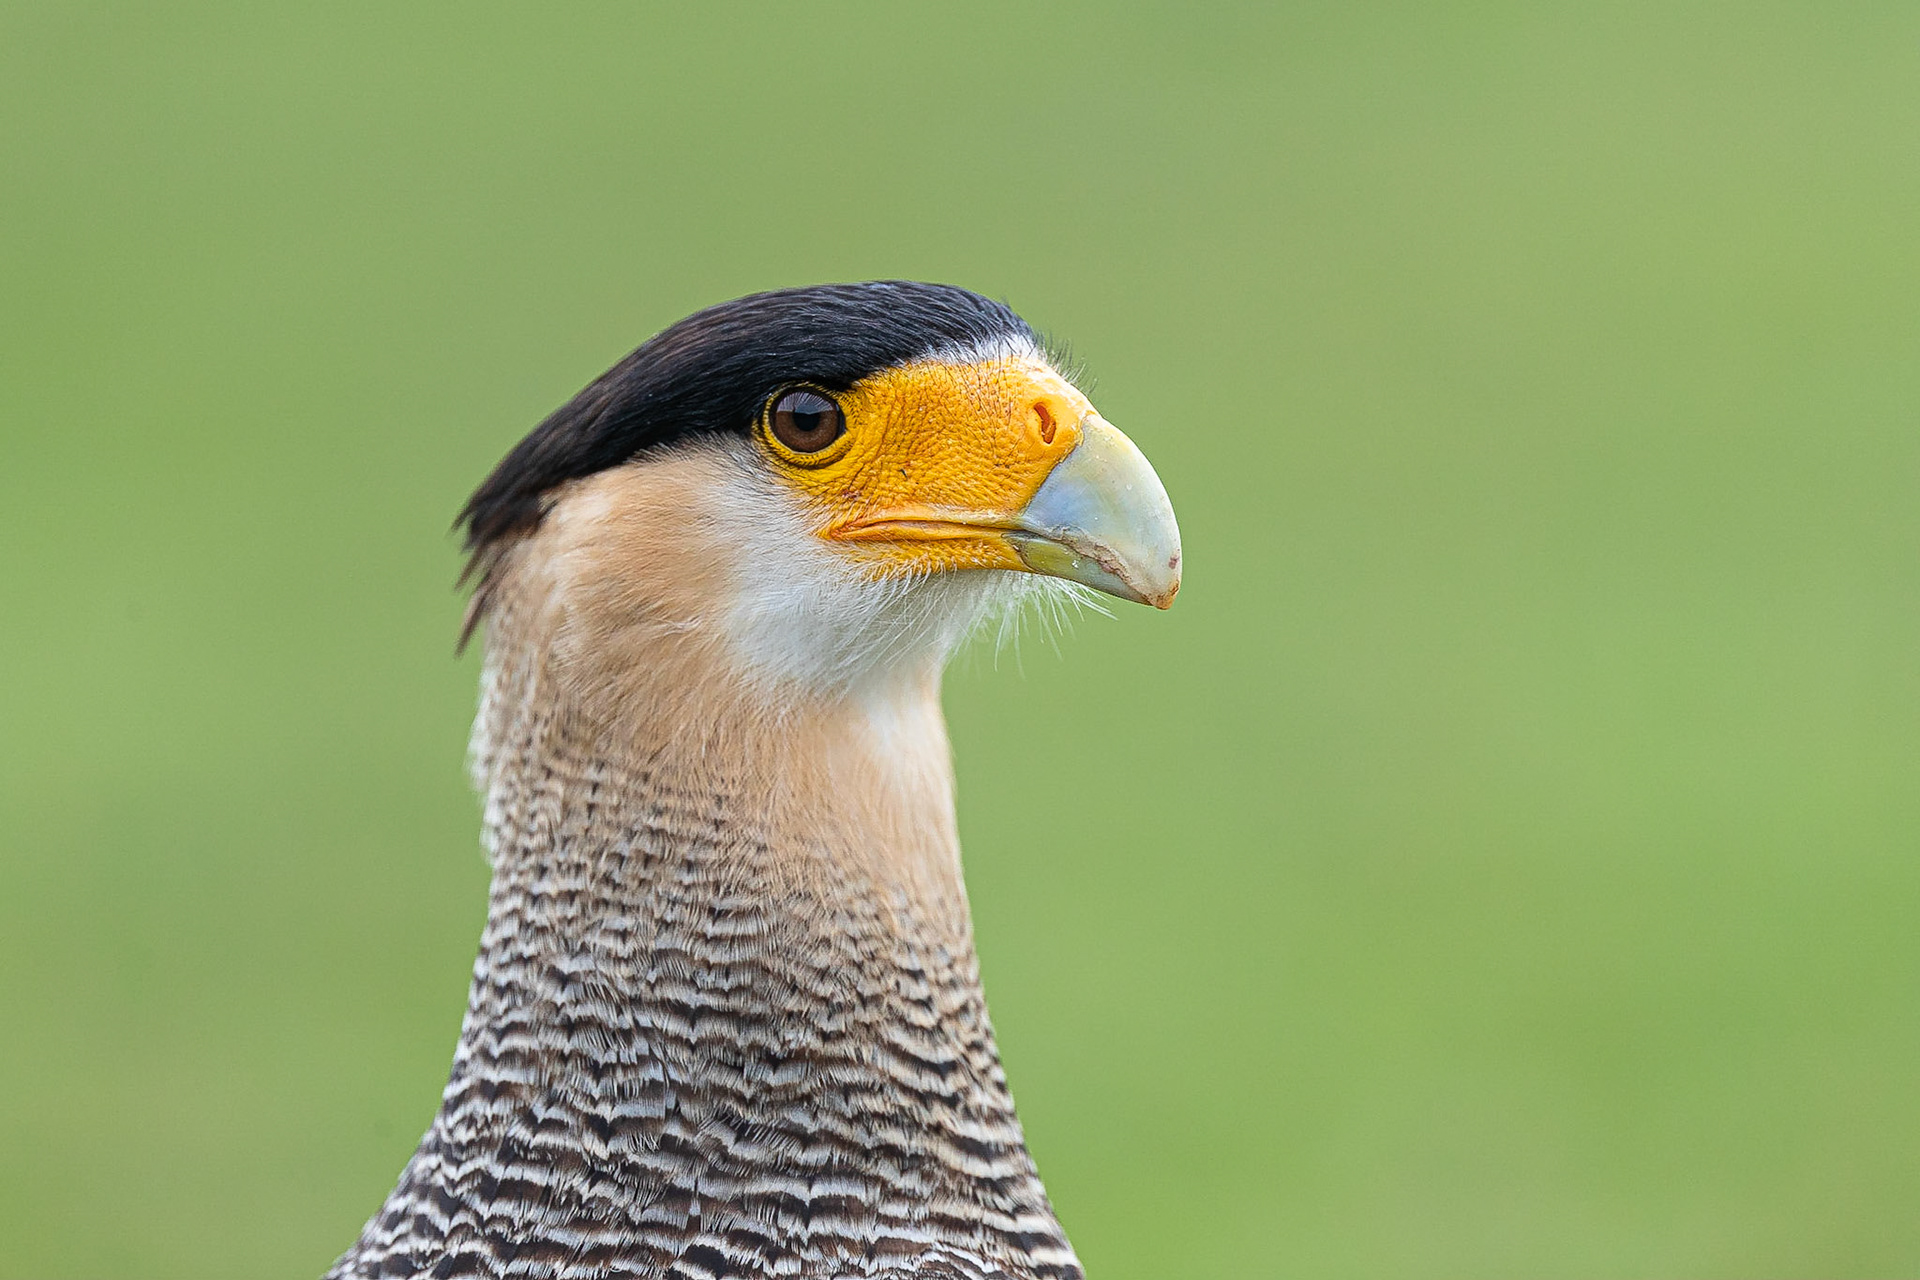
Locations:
(806, 421)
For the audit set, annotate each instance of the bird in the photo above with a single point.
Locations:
(726, 1018)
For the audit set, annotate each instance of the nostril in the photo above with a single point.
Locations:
(1045, 416)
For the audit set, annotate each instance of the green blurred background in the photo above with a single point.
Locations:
(1502, 862)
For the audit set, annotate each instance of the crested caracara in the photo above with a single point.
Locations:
(726, 1018)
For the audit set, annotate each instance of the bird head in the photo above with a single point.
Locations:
(814, 486)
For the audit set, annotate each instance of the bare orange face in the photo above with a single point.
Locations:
(1000, 463)
(937, 461)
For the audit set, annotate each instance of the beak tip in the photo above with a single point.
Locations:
(1169, 586)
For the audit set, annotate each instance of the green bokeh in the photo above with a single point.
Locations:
(1503, 862)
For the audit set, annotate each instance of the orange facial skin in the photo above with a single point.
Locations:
(937, 461)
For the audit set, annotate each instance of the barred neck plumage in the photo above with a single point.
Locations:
(726, 1018)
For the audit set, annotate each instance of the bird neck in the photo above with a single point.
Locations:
(816, 804)
(726, 1015)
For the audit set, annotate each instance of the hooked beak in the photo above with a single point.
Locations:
(1101, 518)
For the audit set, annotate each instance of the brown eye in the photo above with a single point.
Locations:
(806, 421)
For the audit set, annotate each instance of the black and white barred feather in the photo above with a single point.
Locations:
(677, 1061)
